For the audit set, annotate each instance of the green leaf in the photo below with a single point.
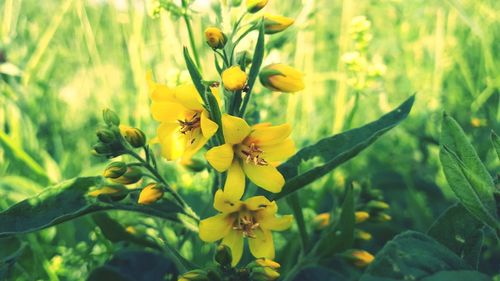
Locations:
(495, 139)
(338, 149)
(318, 273)
(28, 166)
(466, 174)
(69, 200)
(462, 233)
(257, 59)
(415, 256)
(340, 236)
(194, 73)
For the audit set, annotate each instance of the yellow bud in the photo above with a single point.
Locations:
(150, 194)
(362, 235)
(321, 221)
(264, 274)
(267, 263)
(281, 77)
(115, 170)
(383, 217)
(234, 79)
(134, 136)
(253, 6)
(215, 37)
(361, 216)
(360, 258)
(275, 23)
(110, 190)
(375, 204)
(132, 175)
(194, 275)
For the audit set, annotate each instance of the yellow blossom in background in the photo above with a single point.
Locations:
(253, 6)
(360, 258)
(361, 216)
(234, 79)
(185, 126)
(252, 151)
(275, 23)
(215, 37)
(253, 218)
(281, 77)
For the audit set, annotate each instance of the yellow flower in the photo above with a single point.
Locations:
(185, 126)
(321, 221)
(360, 258)
(361, 216)
(281, 77)
(254, 219)
(215, 37)
(253, 6)
(150, 194)
(252, 151)
(275, 23)
(234, 79)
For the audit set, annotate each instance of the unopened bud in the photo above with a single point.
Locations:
(382, 217)
(359, 258)
(110, 117)
(361, 216)
(362, 235)
(150, 194)
(215, 37)
(223, 255)
(105, 135)
(275, 23)
(321, 221)
(132, 175)
(247, 60)
(194, 275)
(134, 136)
(267, 263)
(101, 148)
(234, 79)
(253, 6)
(264, 274)
(281, 77)
(375, 204)
(115, 170)
(193, 164)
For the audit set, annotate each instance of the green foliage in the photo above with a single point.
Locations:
(466, 174)
(415, 256)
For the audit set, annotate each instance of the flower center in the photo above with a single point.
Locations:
(252, 154)
(246, 223)
(190, 124)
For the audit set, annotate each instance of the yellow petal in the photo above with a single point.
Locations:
(208, 127)
(159, 92)
(257, 203)
(224, 204)
(220, 157)
(167, 111)
(270, 135)
(188, 96)
(235, 129)
(194, 142)
(235, 181)
(172, 142)
(262, 246)
(278, 152)
(234, 240)
(215, 228)
(276, 223)
(266, 177)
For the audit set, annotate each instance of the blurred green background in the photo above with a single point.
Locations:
(63, 61)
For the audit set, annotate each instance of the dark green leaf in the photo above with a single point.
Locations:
(462, 233)
(340, 236)
(69, 200)
(338, 149)
(495, 139)
(294, 203)
(458, 275)
(317, 273)
(415, 256)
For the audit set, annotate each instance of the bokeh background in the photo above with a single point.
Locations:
(63, 61)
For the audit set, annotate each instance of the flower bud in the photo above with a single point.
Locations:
(110, 117)
(382, 217)
(267, 263)
(247, 60)
(223, 255)
(380, 205)
(275, 23)
(253, 6)
(150, 194)
(215, 37)
(264, 274)
(361, 216)
(105, 135)
(101, 148)
(115, 170)
(132, 175)
(194, 275)
(321, 221)
(362, 235)
(234, 79)
(114, 190)
(135, 137)
(281, 77)
(359, 258)
(194, 164)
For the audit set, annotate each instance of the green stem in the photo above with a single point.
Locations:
(294, 202)
(191, 35)
(348, 122)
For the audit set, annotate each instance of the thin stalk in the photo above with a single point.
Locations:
(191, 35)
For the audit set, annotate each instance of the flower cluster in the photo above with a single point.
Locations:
(190, 121)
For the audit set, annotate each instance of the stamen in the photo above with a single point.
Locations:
(246, 224)
(189, 125)
(252, 154)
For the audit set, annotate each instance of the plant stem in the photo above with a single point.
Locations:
(191, 35)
